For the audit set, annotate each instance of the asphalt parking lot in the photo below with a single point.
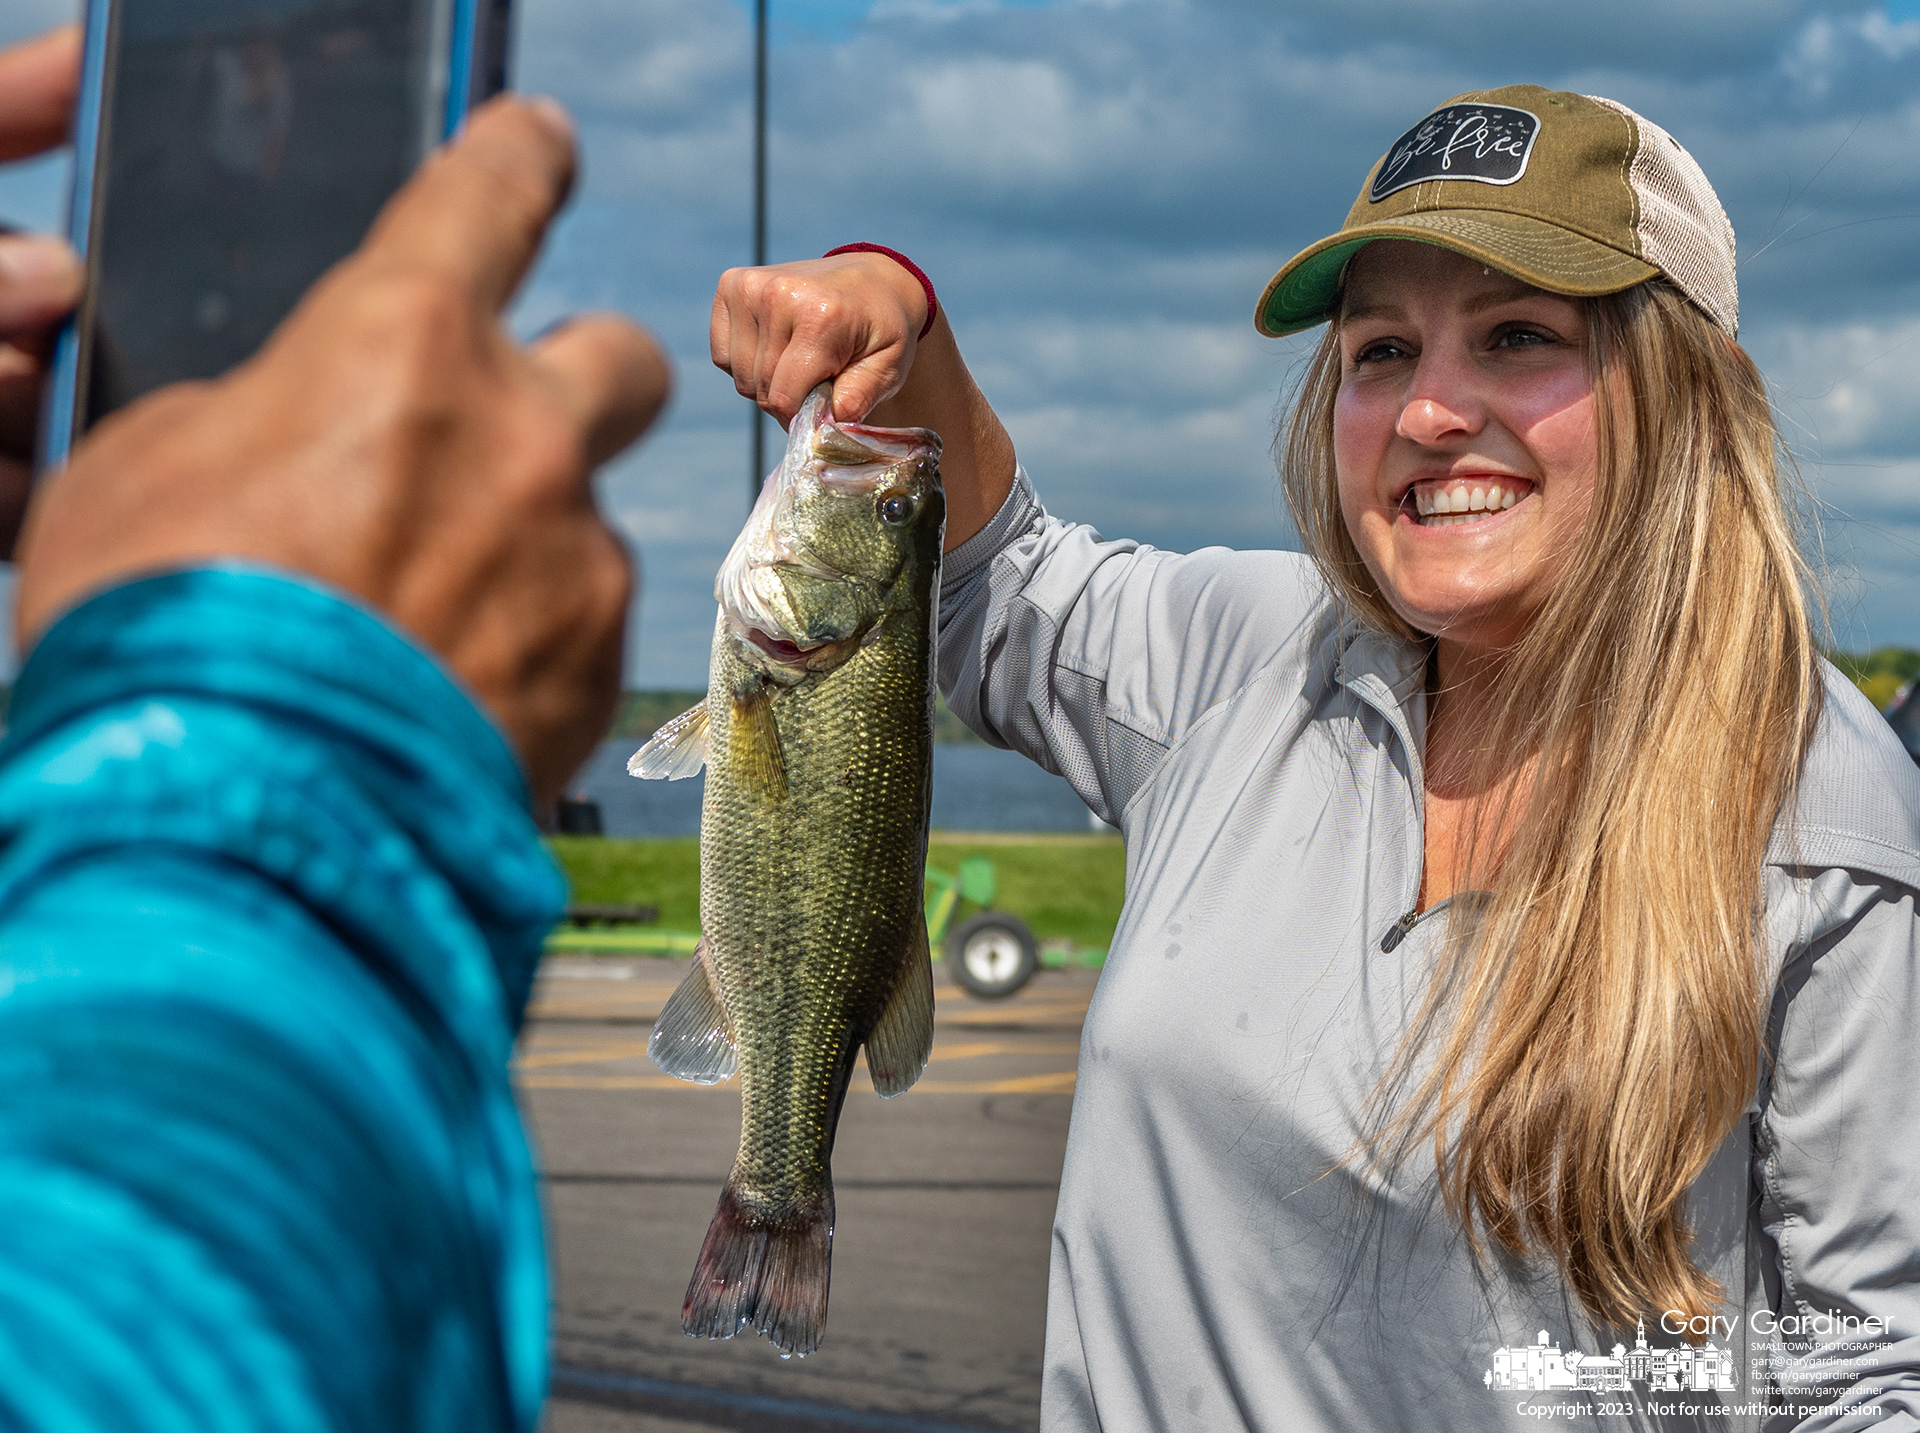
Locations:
(944, 1206)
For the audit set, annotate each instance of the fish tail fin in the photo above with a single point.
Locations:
(763, 1271)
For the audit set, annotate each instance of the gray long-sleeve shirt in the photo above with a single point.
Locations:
(1216, 1264)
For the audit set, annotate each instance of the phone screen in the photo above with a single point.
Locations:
(246, 146)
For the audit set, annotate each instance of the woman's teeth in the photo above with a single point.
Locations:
(1464, 502)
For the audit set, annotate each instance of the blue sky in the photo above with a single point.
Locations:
(1101, 187)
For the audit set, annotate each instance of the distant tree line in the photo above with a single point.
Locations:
(1878, 673)
(1881, 672)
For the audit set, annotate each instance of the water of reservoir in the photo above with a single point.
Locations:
(975, 788)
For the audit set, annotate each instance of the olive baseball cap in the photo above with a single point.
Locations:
(1572, 193)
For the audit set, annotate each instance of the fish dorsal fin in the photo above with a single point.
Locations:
(753, 747)
(897, 1049)
(693, 1039)
(676, 751)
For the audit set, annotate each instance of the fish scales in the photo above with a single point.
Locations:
(817, 738)
(821, 885)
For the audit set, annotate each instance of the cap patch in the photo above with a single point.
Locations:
(1487, 143)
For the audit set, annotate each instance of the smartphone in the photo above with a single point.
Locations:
(227, 153)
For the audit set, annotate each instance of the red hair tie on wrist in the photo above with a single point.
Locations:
(933, 303)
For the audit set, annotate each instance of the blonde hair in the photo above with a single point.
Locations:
(1597, 1031)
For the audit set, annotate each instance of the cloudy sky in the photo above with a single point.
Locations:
(1101, 187)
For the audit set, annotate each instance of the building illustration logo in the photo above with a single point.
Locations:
(1541, 1367)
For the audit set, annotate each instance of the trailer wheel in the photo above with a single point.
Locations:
(992, 955)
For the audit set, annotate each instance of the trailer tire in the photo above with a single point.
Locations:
(992, 955)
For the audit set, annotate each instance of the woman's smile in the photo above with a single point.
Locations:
(1469, 500)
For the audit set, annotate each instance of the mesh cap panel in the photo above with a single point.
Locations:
(1683, 230)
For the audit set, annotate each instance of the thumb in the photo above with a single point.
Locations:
(38, 81)
(865, 385)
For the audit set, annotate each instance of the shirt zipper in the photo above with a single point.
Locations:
(1403, 927)
(1398, 932)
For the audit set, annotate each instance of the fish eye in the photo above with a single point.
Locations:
(895, 507)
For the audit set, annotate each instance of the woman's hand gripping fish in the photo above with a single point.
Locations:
(817, 736)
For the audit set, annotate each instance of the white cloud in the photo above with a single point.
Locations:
(1849, 388)
(1893, 38)
(586, 52)
(1101, 187)
(1829, 45)
(1100, 190)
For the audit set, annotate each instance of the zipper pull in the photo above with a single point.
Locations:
(1396, 933)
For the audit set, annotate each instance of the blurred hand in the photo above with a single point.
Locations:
(392, 439)
(40, 276)
(783, 330)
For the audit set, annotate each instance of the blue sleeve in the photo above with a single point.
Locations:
(270, 905)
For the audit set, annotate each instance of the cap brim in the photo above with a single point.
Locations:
(1541, 254)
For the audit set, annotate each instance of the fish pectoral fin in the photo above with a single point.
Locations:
(693, 1039)
(754, 747)
(676, 751)
(897, 1049)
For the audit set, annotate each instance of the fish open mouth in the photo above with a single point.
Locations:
(779, 648)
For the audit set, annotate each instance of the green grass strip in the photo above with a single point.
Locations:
(1066, 887)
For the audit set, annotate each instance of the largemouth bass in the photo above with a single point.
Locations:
(817, 738)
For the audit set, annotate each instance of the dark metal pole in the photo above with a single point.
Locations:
(759, 213)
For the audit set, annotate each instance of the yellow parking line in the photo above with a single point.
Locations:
(594, 1055)
(1059, 1083)
(612, 1082)
(548, 1009)
(998, 1047)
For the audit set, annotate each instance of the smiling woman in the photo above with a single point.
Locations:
(1640, 546)
(1546, 676)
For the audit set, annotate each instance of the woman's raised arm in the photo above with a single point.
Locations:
(857, 318)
